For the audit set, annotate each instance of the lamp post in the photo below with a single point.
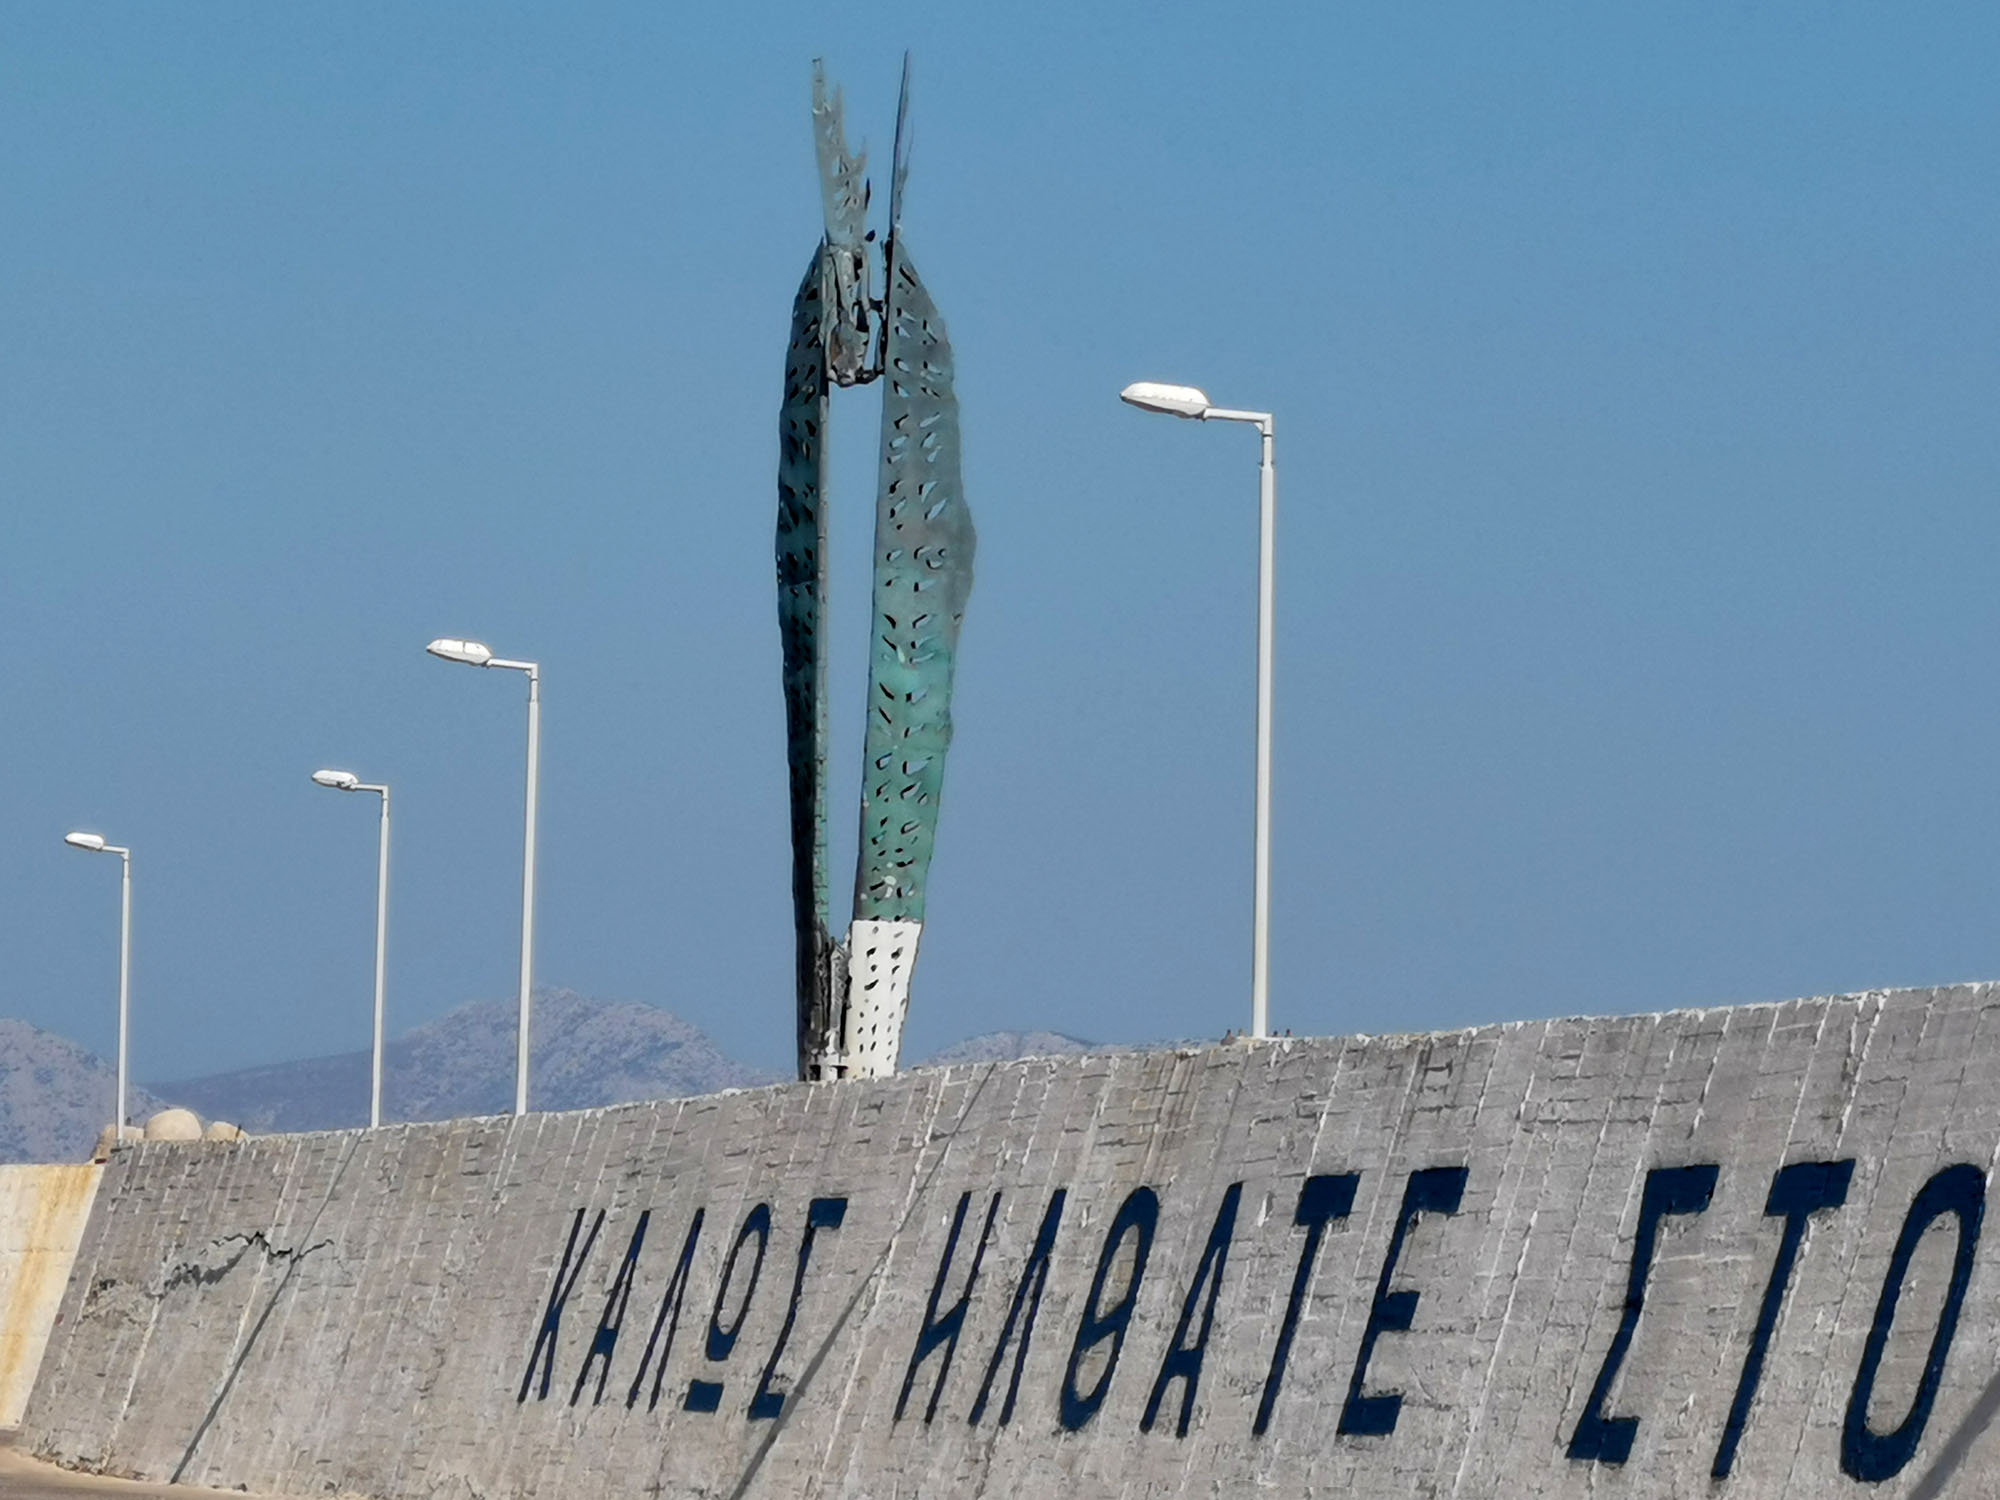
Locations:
(93, 843)
(1186, 401)
(477, 654)
(347, 781)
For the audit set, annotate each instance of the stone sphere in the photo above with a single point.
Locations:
(221, 1130)
(174, 1125)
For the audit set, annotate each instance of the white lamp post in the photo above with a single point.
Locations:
(93, 843)
(1186, 401)
(347, 781)
(477, 654)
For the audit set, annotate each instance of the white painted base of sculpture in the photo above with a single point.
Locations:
(880, 956)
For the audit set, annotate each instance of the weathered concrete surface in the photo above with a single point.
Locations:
(43, 1211)
(22, 1478)
(1563, 1245)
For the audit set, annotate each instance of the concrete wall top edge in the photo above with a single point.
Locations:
(1272, 1047)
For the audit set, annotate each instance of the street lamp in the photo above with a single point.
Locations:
(93, 843)
(347, 781)
(1186, 401)
(478, 654)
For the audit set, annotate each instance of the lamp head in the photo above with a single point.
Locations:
(94, 842)
(1174, 400)
(472, 653)
(340, 781)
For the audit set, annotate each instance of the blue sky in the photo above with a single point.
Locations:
(1635, 373)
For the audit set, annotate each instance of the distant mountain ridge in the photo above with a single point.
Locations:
(55, 1096)
(585, 1053)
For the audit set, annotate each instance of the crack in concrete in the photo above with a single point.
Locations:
(194, 1273)
(292, 1264)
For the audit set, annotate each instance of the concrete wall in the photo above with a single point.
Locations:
(1575, 1258)
(43, 1211)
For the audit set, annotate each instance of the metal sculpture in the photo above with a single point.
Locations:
(853, 995)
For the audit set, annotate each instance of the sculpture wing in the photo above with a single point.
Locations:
(845, 329)
(899, 163)
(923, 574)
(801, 606)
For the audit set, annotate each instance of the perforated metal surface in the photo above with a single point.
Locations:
(923, 574)
(880, 957)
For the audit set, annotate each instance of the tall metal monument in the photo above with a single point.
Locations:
(853, 994)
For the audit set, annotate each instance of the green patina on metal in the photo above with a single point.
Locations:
(923, 575)
(923, 555)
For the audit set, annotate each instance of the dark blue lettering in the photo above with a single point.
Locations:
(1034, 1277)
(945, 1330)
(1797, 1193)
(821, 1213)
(706, 1395)
(544, 1351)
(1321, 1200)
(669, 1318)
(1139, 1215)
(1669, 1190)
(1434, 1190)
(1183, 1360)
(605, 1340)
(1872, 1456)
